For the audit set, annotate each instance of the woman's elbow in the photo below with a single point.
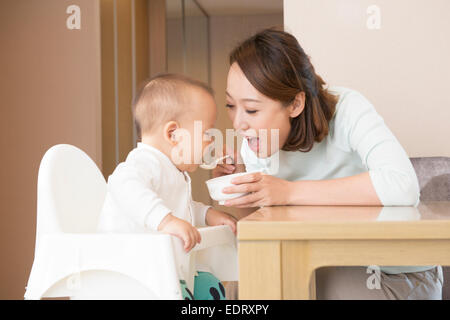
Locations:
(411, 197)
(407, 191)
(396, 188)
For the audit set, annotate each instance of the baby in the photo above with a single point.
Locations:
(151, 190)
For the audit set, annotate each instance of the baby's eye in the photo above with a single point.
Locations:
(229, 105)
(251, 111)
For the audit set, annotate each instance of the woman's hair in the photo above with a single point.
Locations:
(276, 65)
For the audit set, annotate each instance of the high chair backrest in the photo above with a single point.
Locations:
(71, 192)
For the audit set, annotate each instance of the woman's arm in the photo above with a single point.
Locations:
(267, 190)
(353, 190)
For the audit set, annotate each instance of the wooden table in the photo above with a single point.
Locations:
(280, 247)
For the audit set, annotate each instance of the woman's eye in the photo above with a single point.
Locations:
(248, 111)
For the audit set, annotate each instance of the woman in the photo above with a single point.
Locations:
(334, 149)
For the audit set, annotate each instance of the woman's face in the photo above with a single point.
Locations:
(251, 111)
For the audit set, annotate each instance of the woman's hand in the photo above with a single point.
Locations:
(231, 165)
(265, 190)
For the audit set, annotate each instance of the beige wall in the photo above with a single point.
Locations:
(402, 68)
(50, 94)
(157, 36)
(125, 64)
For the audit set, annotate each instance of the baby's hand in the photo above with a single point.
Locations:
(217, 218)
(181, 229)
(231, 165)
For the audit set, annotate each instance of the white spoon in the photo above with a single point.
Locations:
(213, 165)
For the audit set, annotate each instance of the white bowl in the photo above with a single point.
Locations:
(216, 185)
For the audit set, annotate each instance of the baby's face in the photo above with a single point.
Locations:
(201, 117)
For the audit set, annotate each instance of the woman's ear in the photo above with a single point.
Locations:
(296, 107)
(169, 132)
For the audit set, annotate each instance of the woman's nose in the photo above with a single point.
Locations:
(239, 122)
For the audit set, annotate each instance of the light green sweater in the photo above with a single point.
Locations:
(358, 141)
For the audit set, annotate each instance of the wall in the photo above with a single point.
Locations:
(402, 67)
(50, 94)
(125, 64)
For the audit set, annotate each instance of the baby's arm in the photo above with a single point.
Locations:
(206, 215)
(217, 218)
(181, 229)
(136, 198)
(199, 211)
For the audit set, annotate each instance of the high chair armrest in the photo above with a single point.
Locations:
(107, 243)
(215, 236)
(211, 237)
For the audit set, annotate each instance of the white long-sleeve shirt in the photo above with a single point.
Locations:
(144, 189)
(358, 141)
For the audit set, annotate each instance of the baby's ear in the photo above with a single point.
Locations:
(169, 132)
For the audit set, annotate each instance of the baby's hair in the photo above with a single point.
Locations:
(161, 99)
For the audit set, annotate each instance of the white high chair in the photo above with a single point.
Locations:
(73, 260)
